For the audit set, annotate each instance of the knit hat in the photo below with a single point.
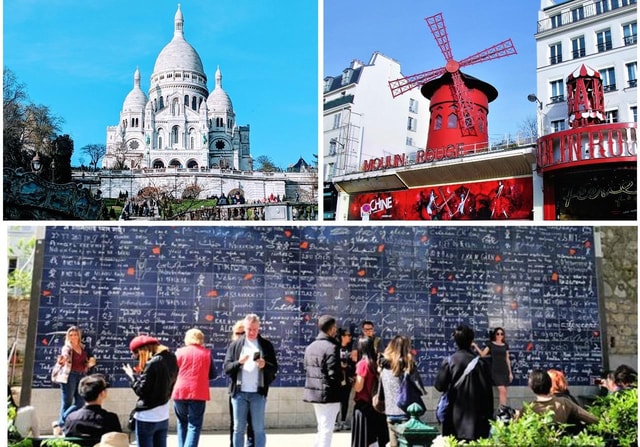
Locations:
(142, 340)
(113, 439)
(325, 322)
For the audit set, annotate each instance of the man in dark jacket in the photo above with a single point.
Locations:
(251, 365)
(471, 401)
(323, 377)
(91, 421)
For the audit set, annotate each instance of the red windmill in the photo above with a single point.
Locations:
(463, 100)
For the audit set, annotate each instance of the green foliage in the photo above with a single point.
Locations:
(19, 280)
(618, 417)
(531, 429)
(14, 439)
(58, 442)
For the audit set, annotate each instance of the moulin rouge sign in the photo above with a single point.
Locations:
(422, 156)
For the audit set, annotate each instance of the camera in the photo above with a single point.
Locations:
(256, 356)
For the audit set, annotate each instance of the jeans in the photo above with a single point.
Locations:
(189, 416)
(243, 403)
(152, 434)
(325, 417)
(71, 399)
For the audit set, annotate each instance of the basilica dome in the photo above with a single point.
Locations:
(136, 99)
(178, 54)
(218, 100)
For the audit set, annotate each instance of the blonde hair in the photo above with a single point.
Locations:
(194, 337)
(146, 352)
(69, 331)
(398, 355)
(558, 381)
(239, 324)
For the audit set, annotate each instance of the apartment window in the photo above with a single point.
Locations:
(346, 76)
(602, 6)
(578, 48)
(634, 113)
(630, 32)
(409, 141)
(332, 146)
(13, 264)
(413, 105)
(557, 91)
(556, 21)
(611, 116)
(336, 120)
(555, 53)
(608, 79)
(411, 124)
(557, 126)
(615, 4)
(577, 14)
(632, 81)
(327, 84)
(604, 40)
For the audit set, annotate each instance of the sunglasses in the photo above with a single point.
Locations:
(239, 333)
(499, 333)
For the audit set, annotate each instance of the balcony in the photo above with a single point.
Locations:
(589, 9)
(631, 40)
(577, 54)
(556, 99)
(609, 88)
(604, 46)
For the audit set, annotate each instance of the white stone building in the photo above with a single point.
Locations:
(601, 34)
(179, 124)
(362, 120)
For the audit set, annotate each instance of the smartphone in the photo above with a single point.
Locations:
(256, 356)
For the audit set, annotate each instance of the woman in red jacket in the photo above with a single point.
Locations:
(191, 392)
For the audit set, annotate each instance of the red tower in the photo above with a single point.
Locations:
(585, 97)
(461, 101)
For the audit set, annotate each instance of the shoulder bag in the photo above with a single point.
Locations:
(443, 403)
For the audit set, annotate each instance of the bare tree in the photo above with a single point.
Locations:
(529, 127)
(265, 164)
(95, 153)
(28, 127)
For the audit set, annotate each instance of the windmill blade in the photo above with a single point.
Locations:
(439, 31)
(465, 104)
(502, 49)
(403, 85)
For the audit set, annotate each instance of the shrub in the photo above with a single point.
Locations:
(618, 418)
(530, 429)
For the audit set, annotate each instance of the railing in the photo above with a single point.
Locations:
(589, 9)
(253, 212)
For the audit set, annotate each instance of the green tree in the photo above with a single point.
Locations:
(19, 280)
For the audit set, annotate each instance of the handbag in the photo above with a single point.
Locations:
(410, 393)
(60, 372)
(443, 403)
(377, 401)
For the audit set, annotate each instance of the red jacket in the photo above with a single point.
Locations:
(195, 369)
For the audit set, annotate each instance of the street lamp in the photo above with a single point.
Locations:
(36, 164)
(533, 98)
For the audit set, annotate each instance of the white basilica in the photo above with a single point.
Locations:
(180, 124)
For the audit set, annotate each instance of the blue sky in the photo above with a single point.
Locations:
(79, 57)
(354, 29)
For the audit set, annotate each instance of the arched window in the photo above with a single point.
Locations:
(175, 107)
(174, 135)
(437, 123)
(161, 103)
(186, 100)
(159, 141)
(194, 103)
(452, 121)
